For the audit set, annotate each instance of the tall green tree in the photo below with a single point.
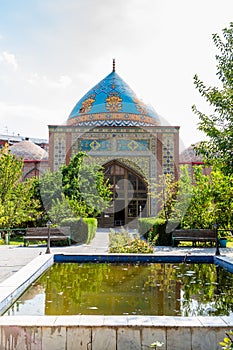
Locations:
(49, 192)
(17, 203)
(48, 189)
(218, 126)
(199, 214)
(77, 189)
(211, 200)
(166, 193)
(173, 196)
(84, 185)
(61, 209)
(206, 201)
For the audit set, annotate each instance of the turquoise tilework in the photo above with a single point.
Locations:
(132, 145)
(94, 145)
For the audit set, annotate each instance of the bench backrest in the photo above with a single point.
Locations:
(194, 233)
(43, 231)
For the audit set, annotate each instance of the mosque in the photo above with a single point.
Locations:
(120, 133)
(125, 136)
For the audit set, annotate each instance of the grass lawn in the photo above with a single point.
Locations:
(18, 241)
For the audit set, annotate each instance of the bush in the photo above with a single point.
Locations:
(82, 230)
(92, 226)
(118, 239)
(122, 242)
(154, 230)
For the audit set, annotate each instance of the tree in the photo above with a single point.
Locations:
(211, 200)
(48, 191)
(84, 185)
(199, 205)
(167, 190)
(17, 203)
(173, 196)
(218, 126)
(200, 211)
(221, 188)
(60, 210)
(75, 190)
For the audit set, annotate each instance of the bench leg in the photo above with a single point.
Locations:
(174, 242)
(25, 243)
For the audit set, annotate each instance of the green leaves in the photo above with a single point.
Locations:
(156, 345)
(17, 202)
(84, 185)
(227, 343)
(211, 200)
(76, 190)
(200, 204)
(173, 196)
(122, 242)
(218, 126)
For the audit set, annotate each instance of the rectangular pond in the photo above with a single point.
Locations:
(126, 288)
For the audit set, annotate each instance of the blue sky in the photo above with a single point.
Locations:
(53, 51)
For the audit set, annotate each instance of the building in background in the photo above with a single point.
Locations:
(189, 158)
(35, 158)
(12, 139)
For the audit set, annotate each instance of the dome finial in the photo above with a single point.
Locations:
(113, 65)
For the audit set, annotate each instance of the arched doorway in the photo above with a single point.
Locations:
(129, 196)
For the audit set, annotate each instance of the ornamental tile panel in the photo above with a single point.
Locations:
(87, 104)
(59, 150)
(93, 145)
(113, 102)
(132, 145)
(168, 154)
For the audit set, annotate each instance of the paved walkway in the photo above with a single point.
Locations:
(13, 258)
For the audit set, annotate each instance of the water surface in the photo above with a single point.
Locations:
(129, 289)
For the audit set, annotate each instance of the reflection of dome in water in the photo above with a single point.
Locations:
(189, 156)
(112, 103)
(28, 150)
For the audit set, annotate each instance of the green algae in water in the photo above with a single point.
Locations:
(129, 289)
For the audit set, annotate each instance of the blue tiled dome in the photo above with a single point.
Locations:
(112, 103)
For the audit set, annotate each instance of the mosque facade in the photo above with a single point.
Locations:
(123, 135)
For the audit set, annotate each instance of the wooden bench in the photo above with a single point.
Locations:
(41, 234)
(193, 235)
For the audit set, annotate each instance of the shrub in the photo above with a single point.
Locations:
(91, 226)
(82, 230)
(123, 242)
(154, 230)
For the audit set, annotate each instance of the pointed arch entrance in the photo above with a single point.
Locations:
(129, 196)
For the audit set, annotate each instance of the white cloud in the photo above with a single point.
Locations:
(157, 45)
(9, 59)
(62, 82)
(24, 119)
